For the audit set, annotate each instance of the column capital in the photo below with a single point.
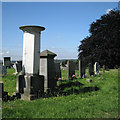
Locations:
(31, 28)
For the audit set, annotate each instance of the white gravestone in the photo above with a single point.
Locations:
(96, 68)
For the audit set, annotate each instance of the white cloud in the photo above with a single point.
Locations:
(1, 53)
(108, 10)
(7, 52)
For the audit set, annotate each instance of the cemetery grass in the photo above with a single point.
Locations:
(102, 103)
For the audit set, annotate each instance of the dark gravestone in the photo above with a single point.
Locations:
(7, 62)
(57, 70)
(90, 69)
(82, 68)
(1, 90)
(70, 69)
(47, 68)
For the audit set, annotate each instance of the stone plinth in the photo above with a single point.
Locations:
(47, 69)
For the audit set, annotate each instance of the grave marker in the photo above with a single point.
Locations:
(30, 83)
(70, 69)
(47, 68)
(7, 62)
(96, 68)
(90, 69)
(81, 69)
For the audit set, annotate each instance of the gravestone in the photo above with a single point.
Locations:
(47, 69)
(18, 66)
(3, 70)
(90, 69)
(70, 69)
(81, 68)
(96, 68)
(1, 90)
(103, 68)
(7, 62)
(30, 83)
(57, 70)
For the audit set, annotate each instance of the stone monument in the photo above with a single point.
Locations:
(57, 70)
(70, 69)
(47, 69)
(30, 84)
(18, 66)
(7, 62)
(90, 69)
(81, 69)
(96, 68)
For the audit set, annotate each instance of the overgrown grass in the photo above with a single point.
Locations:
(102, 103)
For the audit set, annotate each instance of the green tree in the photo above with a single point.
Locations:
(103, 44)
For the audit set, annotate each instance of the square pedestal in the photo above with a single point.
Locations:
(30, 86)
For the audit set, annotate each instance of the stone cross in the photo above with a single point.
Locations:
(30, 83)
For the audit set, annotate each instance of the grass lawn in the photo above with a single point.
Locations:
(85, 103)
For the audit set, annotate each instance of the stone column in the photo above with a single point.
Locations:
(30, 82)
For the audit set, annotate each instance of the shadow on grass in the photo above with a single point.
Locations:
(74, 88)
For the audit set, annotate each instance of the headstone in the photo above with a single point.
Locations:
(7, 62)
(82, 69)
(90, 69)
(47, 69)
(57, 70)
(96, 68)
(3, 70)
(103, 68)
(30, 83)
(1, 90)
(70, 69)
(18, 66)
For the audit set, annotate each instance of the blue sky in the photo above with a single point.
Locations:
(66, 23)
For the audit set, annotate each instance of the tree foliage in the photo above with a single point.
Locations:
(103, 44)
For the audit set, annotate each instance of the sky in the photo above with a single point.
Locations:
(66, 23)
